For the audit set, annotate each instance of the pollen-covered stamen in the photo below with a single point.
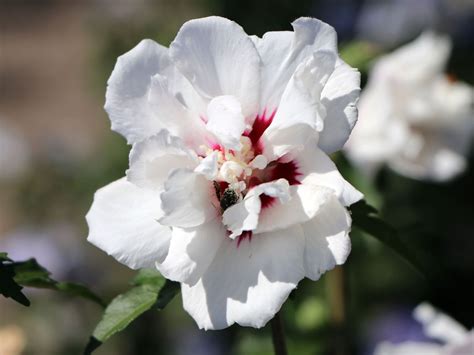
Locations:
(235, 168)
(237, 172)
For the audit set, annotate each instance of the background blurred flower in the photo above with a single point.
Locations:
(455, 339)
(230, 190)
(13, 340)
(414, 117)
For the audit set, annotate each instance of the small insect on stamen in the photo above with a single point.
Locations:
(228, 198)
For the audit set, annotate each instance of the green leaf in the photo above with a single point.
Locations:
(4, 257)
(15, 275)
(150, 289)
(8, 286)
(167, 293)
(148, 277)
(359, 54)
(29, 273)
(364, 217)
(75, 289)
(124, 309)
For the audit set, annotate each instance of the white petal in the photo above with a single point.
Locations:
(438, 325)
(377, 136)
(244, 215)
(259, 162)
(128, 87)
(403, 65)
(226, 121)
(339, 97)
(208, 166)
(123, 222)
(184, 92)
(152, 160)
(409, 348)
(191, 251)
(317, 168)
(300, 113)
(282, 52)
(433, 164)
(187, 200)
(173, 114)
(247, 283)
(218, 58)
(305, 201)
(327, 239)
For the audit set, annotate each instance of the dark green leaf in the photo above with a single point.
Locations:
(168, 289)
(75, 289)
(124, 309)
(149, 277)
(167, 293)
(364, 217)
(8, 286)
(29, 273)
(149, 289)
(4, 257)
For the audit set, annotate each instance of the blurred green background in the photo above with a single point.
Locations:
(55, 58)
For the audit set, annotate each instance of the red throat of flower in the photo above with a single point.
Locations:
(281, 168)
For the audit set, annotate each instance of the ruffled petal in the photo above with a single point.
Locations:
(300, 114)
(218, 58)
(123, 222)
(317, 168)
(226, 121)
(187, 200)
(152, 160)
(327, 239)
(208, 167)
(247, 284)
(282, 52)
(128, 87)
(339, 97)
(305, 202)
(244, 215)
(191, 251)
(171, 111)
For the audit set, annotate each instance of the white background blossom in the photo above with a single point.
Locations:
(413, 116)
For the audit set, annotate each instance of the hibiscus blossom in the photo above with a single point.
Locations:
(414, 117)
(230, 190)
(454, 338)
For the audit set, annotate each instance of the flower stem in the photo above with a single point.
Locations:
(337, 304)
(278, 335)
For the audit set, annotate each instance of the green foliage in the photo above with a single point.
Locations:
(8, 286)
(30, 273)
(150, 289)
(364, 217)
(359, 54)
(311, 314)
(16, 274)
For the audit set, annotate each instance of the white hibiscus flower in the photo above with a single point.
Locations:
(230, 190)
(454, 338)
(412, 116)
